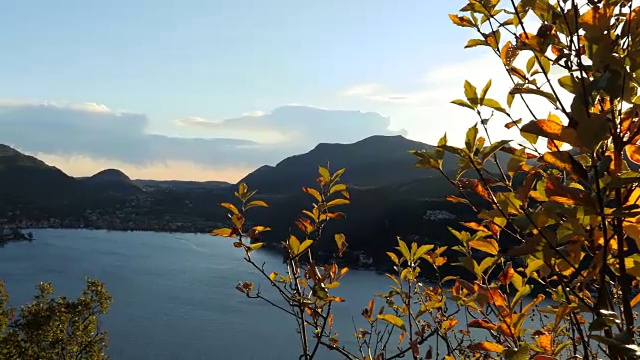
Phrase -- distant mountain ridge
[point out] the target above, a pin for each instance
(372, 162)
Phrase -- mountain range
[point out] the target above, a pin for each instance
(389, 196)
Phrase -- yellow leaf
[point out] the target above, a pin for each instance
(393, 257)
(487, 245)
(294, 245)
(462, 21)
(635, 301)
(393, 320)
(448, 325)
(256, 246)
(312, 192)
(304, 246)
(337, 202)
(256, 203)
(487, 346)
(230, 206)
(337, 187)
(341, 242)
(273, 275)
(324, 173)
(226, 232)
(422, 250)
(404, 250)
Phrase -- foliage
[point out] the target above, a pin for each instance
(55, 328)
(570, 208)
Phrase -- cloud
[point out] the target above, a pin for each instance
(298, 125)
(91, 135)
(423, 105)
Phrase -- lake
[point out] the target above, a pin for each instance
(174, 294)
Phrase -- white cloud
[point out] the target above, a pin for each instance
(255, 113)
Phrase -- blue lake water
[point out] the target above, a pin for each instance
(174, 294)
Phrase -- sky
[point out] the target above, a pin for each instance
(210, 90)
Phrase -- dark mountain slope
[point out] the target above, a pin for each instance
(372, 162)
(112, 181)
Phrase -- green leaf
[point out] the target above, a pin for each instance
(471, 93)
(569, 83)
(522, 353)
(337, 187)
(393, 320)
(524, 291)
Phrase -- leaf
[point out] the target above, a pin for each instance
(470, 139)
(337, 202)
(337, 187)
(313, 192)
(493, 148)
(256, 203)
(482, 324)
(485, 90)
(487, 346)
(487, 245)
(524, 90)
(256, 246)
(462, 21)
(551, 130)
(635, 301)
(231, 207)
(324, 173)
(508, 53)
(569, 83)
(507, 274)
(341, 242)
(521, 353)
(404, 250)
(304, 246)
(476, 42)
(393, 320)
(565, 161)
(294, 245)
(471, 93)
(226, 232)
(463, 103)
(495, 105)
(393, 257)
(633, 152)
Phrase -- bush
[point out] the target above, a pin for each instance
(558, 222)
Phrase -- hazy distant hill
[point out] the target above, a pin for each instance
(181, 184)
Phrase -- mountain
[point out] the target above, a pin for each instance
(113, 181)
(372, 162)
(27, 179)
(181, 184)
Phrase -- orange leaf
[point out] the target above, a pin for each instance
(481, 324)
(487, 346)
(552, 130)
(633, 152)
(546, 342)
(507, 275)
